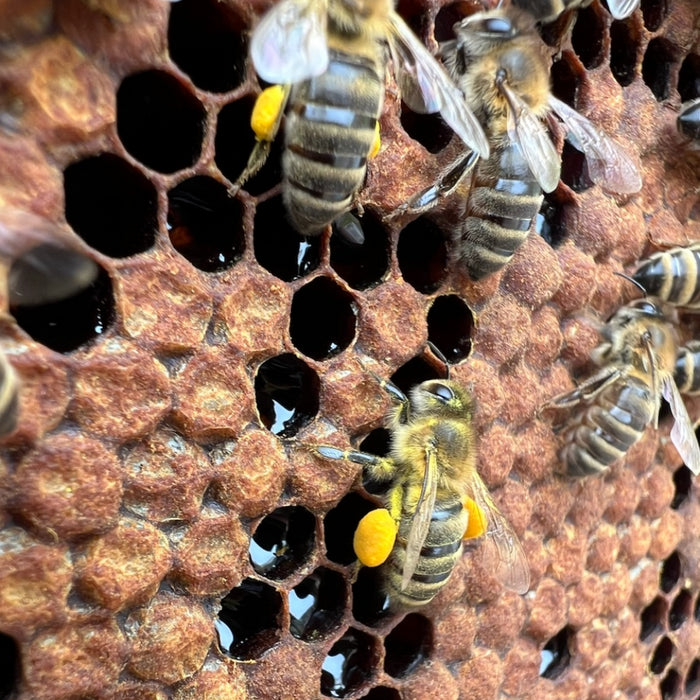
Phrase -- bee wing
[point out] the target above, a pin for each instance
(289, 44)
(620, 9)
(426, 87)
(421, 520)
(586, 391)
(609, 164)
(502, 550)
(682, 433)
(533, 138)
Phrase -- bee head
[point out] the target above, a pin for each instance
(440, 397)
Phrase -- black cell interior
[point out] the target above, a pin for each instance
(565, 79)
(450, 325)
(248, 622)
(408, 645)
(574, 171)
(370, 604)
(550, 221)
(689, 77)
(205, 224)
(206, 40)
(624, 41)
(556, 654)
(654, 13)
(317, 604)
(111, 205)
(656, 67)
(286, 394)
(652, 618)
(422, 255)
(662, 656)
(430, 130)
(362, 266)
(9, 667)
(322, 320)
(683, 483)
(159, 121)
(692, 678)
(381, 692)
(282, 542)
(670, 685)
(681, 609)
(378, 442)
(671, 572)
(349, 664)
(340, 524)
(448, 16)
(415, 371)
(587, 36)
(278, 247)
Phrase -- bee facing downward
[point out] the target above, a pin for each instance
(330, 57)
(435, 500)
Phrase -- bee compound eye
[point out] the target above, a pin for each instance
(497, 25)
(443, 392)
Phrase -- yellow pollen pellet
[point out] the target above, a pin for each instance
(266, 111)
(374, 537)
(376, 143)
(477, 520)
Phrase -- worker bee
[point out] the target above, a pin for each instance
(688, 120)
(549, 10)
(436, 498)
(637, 364)
(687, 372)
(327, 59)
(9, 397)
(672, 276)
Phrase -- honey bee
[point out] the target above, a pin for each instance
(687, 372)
(327, 59)
(672, 276)
(637, 364)
(688, 120)
(9, 397)
(436, 498)
(549, 10)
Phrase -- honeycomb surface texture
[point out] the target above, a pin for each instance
(165, 533)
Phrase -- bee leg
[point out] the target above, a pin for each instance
(377, 468)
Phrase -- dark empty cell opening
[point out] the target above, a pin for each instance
(278, 247)
(450, 324)
(370, 602)
(111, 205)
(407, 645)
(565, 79)
(206, 41)
(692, 679)
(381, 692)
(9, 666)
(662, 656)
(556, 654)
(670, 685)
(553, 33)
(159, 121)
(362, 266)
(71, 322)
(683, 482)
(656, 67)
(340, 524)
(574, 171)
(587, 36)
(413, 372)
(624, 41)
(349, 664)
(378, 442)
(247, 624)
(652, 618)
(322, 320)
(654, 13)
(429, 130)
(550, 222)
(205, 224)
(317, 604)
(282, 542)
(671, 571)
(448, 16)
(422, 255)
(689, 78)
(681, 610)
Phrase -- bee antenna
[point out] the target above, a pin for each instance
(633, 281)
(440, 356)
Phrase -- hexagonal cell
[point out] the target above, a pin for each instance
(349, 665)
(408, 645)
(656, 67)
(574, 171)
(282, 542)
(450, 325)
(681, 610)
(654, 13)
(362, 266)
(159, 121)
(416, 370)
(624, 43)
(323, 320)
(286, 394)
(692, 678)
(689, 77)
(381, 692)
(662, 656)
(550, 221)
(448, 16)
(556, 654)
(429, 130)
(317, 604)
(9, 666)
(565, 78)
(370, 603)
(248, 623)
(588, 36)
(111, 205)
(671, 572)
(206, 40)
(340, 524)
(683, 483)
(422, 255)
(652, 618)
(670, 685)
(696, 614)
(205, 224)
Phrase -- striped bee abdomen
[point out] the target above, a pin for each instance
(673, 276)
(687, 370)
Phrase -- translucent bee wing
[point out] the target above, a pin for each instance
(608, 163)
(289, 45)
(620, 9)
(587, 390)
(426, 87)
(682, 433)
(421, 520)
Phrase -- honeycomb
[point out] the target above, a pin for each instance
(164, 531)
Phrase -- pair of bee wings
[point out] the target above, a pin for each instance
(289, 45)
(502, 551)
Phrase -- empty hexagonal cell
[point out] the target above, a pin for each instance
(450, 325)
(206, 40)
(652, 618)
(574, 171)
(422, 255)
(565, 77)
(408, 645)
(9, 666)
(362, 266)
(550, 221)
(340, 524)
(662, 656)
(111, 205)
(286, 394)
(282, 542)
(681, 610)
(670, 685)
(692, 678)
(671, 572)
(448, 16)
(317, 604)
(556, 654)
(429, 130)
(248, 622)
(205, 224)
(683, 483)
(381, 692)
(416, 370)
(349, 665)
(689, 77)
(656, 67)
(159, 121)
(588, 36)
(323, 319)
(696, 614)
(370, 603)
(654, 13)
(624, 44)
